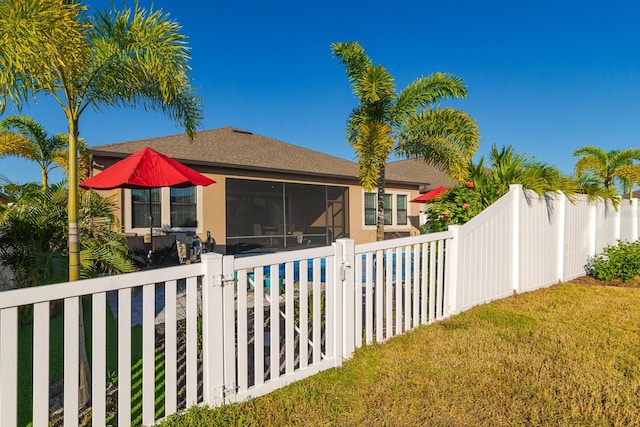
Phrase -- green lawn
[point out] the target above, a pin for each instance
(566, 355)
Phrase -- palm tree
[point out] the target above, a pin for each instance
(131, 57)
(602, 169)
(508, 167)
(386, 120)
(488, 182)
(630, 174)
(22, 136)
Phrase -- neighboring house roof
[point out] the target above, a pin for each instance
(230, 147)
(420, 171)
(4, 199)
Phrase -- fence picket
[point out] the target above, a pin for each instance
(369, 307)
(124, 356)
(41, 363)
(243, 344)
(289, 335)
(358, 302)
(317, 311)
(416, 285)
(9, 366)
(71, 360)
(380, 295)
(148, 353)
(258, 330)
(274, 323)
(170, 347)
(304, 314)
(192, 341)
(98, 359)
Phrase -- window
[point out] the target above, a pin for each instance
(183, 207)
(178, 208)
(397, 210)
(370, 208)
(140, 207)
(388, 209)
(401, 209)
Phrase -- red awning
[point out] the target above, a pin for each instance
(430, 195)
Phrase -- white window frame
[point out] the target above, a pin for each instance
(394, 226)
(165, 213)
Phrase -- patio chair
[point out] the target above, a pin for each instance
(139, 252)
(164, 251)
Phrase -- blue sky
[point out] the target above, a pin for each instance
(546, 77)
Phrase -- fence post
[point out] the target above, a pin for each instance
(592, 228)
(617, 223)
(212, 330)
(9, 366)
(228, 284)
(516, 194)
(634, 220)
(347, 265)
(452, 264)
(561, 210)
(337, 291)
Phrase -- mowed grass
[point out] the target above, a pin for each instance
(566, 355)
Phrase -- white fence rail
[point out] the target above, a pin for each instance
(231, 328)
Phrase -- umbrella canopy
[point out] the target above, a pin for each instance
(146, 168)
(430, 195)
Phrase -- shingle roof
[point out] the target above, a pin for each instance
(230, 147)
(418, 171)
(4, 198)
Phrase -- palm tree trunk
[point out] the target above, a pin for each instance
(380, 216)
(84, 392)
(45, 178)
(74, 244)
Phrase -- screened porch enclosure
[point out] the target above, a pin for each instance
(269, 216)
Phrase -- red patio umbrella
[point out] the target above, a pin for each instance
(430, 195)
(149, 169)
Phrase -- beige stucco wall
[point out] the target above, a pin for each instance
(363, 234)
(213, 207)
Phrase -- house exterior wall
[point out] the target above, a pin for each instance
(212, 212)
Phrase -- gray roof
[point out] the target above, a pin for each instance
(419, 171)
(229, 147)
(4, 198)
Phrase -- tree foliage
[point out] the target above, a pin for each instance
(119, 58)
(21, 136)
(488, 183)
(407, 122)
(599, 169)
(33, 236)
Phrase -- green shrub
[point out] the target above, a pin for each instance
(616, 262)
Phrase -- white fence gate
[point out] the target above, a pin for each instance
(231, 328)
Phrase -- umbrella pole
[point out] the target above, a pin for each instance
(150, 226)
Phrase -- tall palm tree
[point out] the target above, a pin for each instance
(508, 167)
(22, 136)
(386, 120)
(630, 174)
(601, 168)
(130, 57)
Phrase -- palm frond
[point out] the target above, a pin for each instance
(443, 137)
(428, 90)
(37, 37)
(141, 60)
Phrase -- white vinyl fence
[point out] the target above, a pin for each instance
(231, 328)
